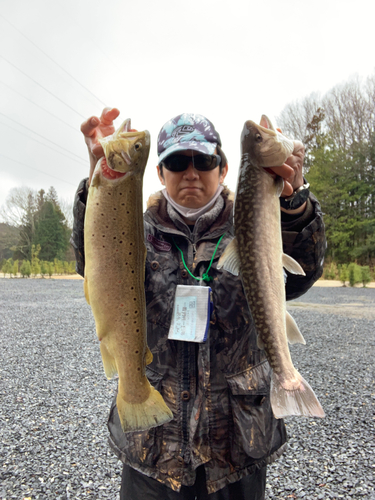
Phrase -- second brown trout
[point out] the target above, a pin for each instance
(257, 253)
(114, 275)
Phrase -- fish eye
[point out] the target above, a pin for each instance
(137, 146)
(258, 138)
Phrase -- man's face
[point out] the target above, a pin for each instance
(192, 188)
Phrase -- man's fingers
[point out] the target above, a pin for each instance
(288, 189)
(285, 171)
(97, 150)
(108, 115)
(88, 127)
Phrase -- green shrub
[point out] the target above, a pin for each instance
(343, 274)
(365, 275)
(25, 269)
(354, 274)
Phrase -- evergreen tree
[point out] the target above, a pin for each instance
(51, 232)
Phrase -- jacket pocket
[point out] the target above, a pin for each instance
(140, 446)
(253, 420)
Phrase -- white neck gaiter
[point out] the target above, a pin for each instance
(193, 214)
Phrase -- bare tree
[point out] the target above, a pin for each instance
(19, 203)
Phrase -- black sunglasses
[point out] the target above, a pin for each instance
(201, 162)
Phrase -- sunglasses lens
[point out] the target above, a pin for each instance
(179, 163)
(204, 162)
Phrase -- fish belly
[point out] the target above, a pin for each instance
(114, 281)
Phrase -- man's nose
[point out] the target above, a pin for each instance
(191, 172)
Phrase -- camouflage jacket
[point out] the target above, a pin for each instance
(218, 390)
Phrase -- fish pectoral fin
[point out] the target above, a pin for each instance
(302, 401)
(86, 290)
(230, 259)
(292, 331)
(292, 265)
(109, 362)
(149, 356)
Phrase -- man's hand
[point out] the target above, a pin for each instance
(292, 174)
(94, 129)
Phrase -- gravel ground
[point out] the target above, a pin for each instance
(55, 397)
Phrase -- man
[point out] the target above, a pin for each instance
(223, 433)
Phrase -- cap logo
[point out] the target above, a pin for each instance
(182, 130)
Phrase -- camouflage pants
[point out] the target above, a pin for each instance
(137, 486)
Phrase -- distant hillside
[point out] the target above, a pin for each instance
(8, 238)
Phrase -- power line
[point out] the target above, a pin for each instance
(38, 105)
(51, 59)
(37, 83)
(39, 142)
(37, 170)
(42, 136)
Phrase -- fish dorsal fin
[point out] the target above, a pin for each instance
(266, 122)
(292, 265)
(292, 331)
(230, 259)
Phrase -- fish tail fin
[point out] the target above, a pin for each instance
(142, 416)
(109, 363)
(301, 401)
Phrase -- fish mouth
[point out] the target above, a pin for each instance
(109, 173)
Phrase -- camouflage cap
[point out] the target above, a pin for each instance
(187, 131)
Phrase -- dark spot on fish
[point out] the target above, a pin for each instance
(127, 314)
(114, 237)
(120, 194)
(102, 215)
(135, 312)
(103, 235)
(120, 241)
(114, 208)
(135, 322)
(137, 352)
(135, 298)
(137, 330)
(128, 212)
(123, 234)
(131, 244)
(138, 369)
(132, 272)
(114, 218)
(103, 246)
(130, 253)
(93, 235)
(132, 288)
(97, 203)
(109, 194)
(122, 204)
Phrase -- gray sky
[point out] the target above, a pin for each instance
(228, 60)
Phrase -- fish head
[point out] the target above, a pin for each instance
(265, 146)
(126, 150)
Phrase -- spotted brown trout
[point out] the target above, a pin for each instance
(114, 275)
(257, 253)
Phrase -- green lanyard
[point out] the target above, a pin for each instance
(205, 276)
